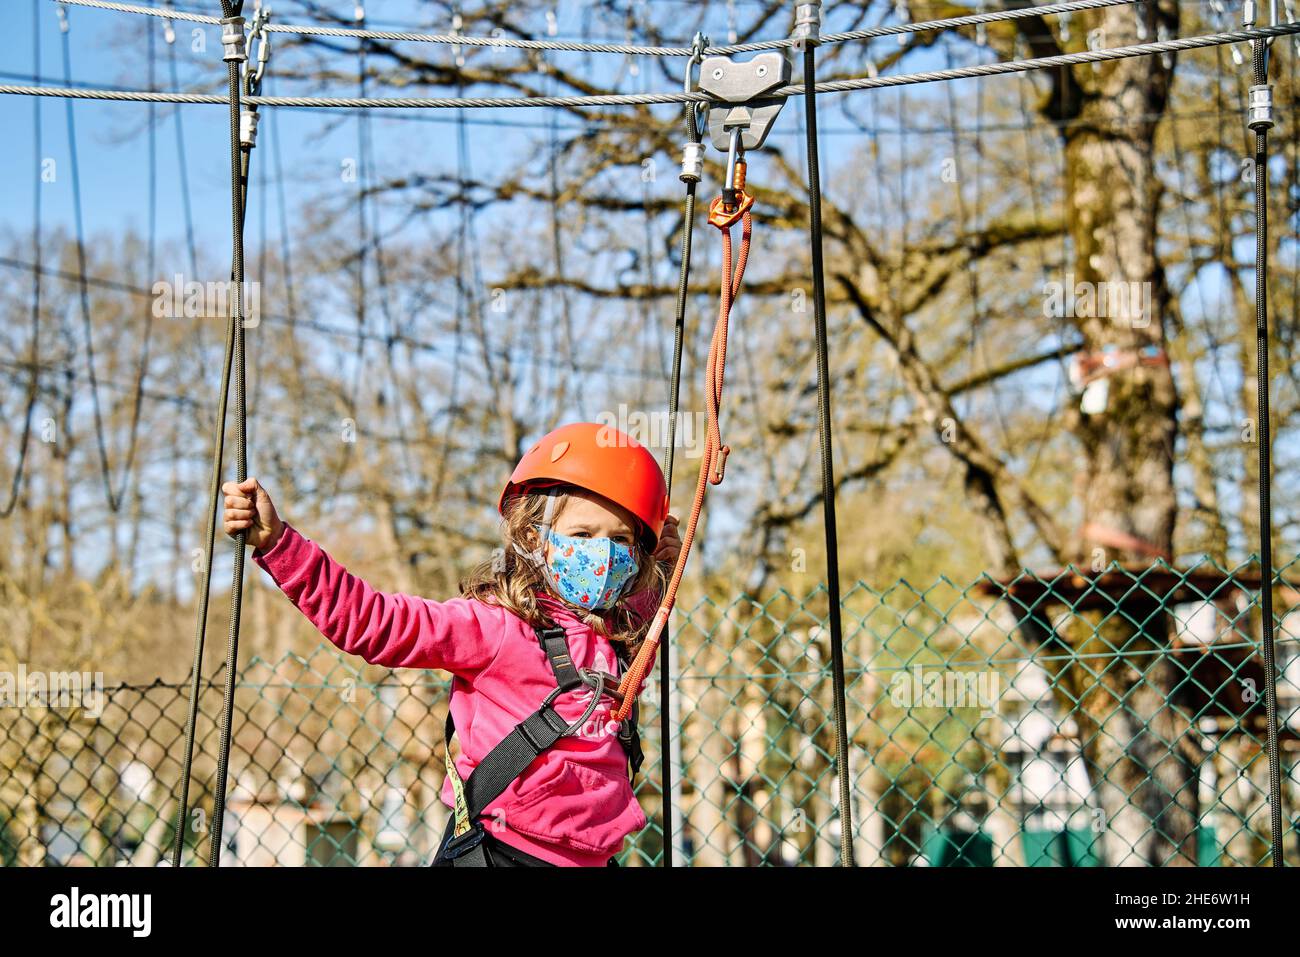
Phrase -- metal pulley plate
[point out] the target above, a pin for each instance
(740, 86)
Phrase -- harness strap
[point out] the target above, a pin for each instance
(511, 757)
(505, 762)
(629, 736)
(556, 647)
(514, 753)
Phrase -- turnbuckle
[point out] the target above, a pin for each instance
(807, 23)
(1248, 18)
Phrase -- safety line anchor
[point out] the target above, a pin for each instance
(1259, 102)
(693, 149)
(740, 117)
(737, 89)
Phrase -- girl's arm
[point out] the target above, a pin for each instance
(394, 630)
(645, 603)
(398, 631)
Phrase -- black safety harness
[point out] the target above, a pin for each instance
(463, 845)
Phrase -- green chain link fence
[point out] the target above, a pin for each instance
(1096, 718)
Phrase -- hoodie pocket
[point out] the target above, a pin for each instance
(577, 806)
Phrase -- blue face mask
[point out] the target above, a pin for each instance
(590, 572)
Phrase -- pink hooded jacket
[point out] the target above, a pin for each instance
(574, 805)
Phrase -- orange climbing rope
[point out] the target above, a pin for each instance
(724, 212)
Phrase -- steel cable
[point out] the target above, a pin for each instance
(627, 49)
(652, 99)
(33, 381)
(238, 199)
(1267, 623)
(827, 460)
(674, 404)
(232, 367)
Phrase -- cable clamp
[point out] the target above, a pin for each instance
(169, 29)
(699, 43)
(248, 127)
(692, 162)
(232, 40)
(1260, 108)
(807, 24)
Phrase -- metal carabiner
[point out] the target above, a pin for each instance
(735, 155)
(698, 45)
(735, 201)
(257, 33)
(1248, 21)
(592, 679)
(608, 684)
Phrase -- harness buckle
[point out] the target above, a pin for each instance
(464, 843)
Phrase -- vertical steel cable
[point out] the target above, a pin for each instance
(182, 163)
(33, 379)
(83, 288)
(1267, 623)
(463, 214)
(238, 179)
(828, 468)
(679, 326)
(115, 499)
(201, 625)
(233, 361)
(674, 403)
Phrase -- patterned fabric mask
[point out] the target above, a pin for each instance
(590, 572)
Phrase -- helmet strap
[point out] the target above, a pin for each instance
(538, 555)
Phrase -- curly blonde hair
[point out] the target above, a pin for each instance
(511, 581)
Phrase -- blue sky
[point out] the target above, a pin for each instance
(108, 49)
(112, 50)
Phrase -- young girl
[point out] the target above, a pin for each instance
(533, 644)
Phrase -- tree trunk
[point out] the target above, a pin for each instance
(1132, 739)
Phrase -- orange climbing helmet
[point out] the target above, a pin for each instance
(600, 459)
